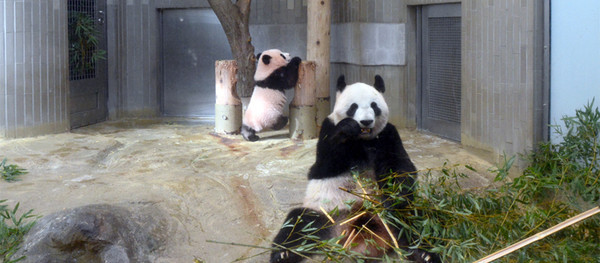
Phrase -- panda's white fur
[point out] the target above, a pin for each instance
(326, 193)
(266, 105)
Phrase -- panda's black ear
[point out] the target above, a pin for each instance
(341, 83)
(379, 86)
(266, 59)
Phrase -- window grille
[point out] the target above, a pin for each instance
(81, 64)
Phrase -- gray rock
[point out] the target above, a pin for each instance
(98, 233)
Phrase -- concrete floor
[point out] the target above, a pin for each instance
(214, 187)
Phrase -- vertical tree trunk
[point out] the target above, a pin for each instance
(318, 49)
(235, 21)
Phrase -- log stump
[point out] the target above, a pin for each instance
(228, 106)
(302, 108)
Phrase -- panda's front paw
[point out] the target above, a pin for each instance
(346, 129)
(295, 62)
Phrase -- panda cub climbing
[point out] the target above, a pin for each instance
(275, 73)
(356, 136)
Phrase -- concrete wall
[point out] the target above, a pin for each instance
(502, 104)
(502, 59)
(279, 24)
(133, 34)
(34, 82)
(369, 38)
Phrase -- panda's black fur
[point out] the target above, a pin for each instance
(365, 142)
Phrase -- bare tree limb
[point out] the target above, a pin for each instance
(235, 21)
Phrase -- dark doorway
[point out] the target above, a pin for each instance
(192, 40)
(88, 73)
(440, 78)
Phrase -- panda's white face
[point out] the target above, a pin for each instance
(286, 56)
(365, 105)
(269, 61)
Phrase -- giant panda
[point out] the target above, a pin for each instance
(275, 72)
(356, 136)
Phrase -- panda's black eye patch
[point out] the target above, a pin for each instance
(352, 110)
(376, 108)
(282, 56)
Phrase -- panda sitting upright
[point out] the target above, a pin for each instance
(275, 73)
(356, 136)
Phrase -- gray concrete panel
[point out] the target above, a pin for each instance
(33, 57)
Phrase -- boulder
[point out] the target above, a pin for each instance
(98, 233)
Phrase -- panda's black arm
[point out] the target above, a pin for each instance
(337, 149)
(392, 159)
(292, 72)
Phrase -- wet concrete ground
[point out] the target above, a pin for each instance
(213, 187)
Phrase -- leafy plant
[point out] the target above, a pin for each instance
(83, 43)
(10, 172)
(12, 230)
(463, 225)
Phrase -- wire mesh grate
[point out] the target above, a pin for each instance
(445, 68)
(81, 15)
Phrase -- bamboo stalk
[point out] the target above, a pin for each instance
(503, 252)
(350, 238)
(376, 235)
(387, 228)
(327, 215)
(354, 217)
(343, 233)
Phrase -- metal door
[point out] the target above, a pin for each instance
(192, 40)
(440, 78)
(88, 73)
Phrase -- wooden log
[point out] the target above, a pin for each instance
(302, 108)
(228, 106)
(317, 49)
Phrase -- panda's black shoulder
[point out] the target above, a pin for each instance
(275, 80)
(282, 78)
(326, 127)
(389, 133)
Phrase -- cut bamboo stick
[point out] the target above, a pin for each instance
(503, 252)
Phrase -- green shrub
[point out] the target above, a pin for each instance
(562, 180)
(10, 172)
(12, 230)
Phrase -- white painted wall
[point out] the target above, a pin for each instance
(575, 57)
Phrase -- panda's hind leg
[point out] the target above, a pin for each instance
(249, 134)
(299, 224)
(280, 123)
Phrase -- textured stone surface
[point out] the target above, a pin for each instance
(99, 233)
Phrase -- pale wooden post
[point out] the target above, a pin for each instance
(302, 108)
(317, 49)
(228, 106)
